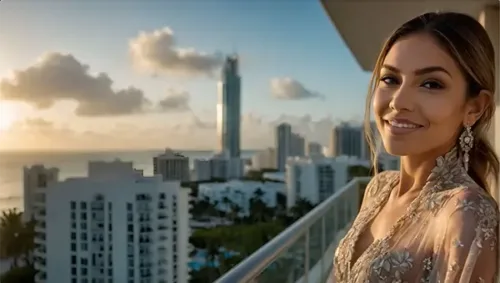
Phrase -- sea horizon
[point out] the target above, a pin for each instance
(112, 150)
(74, 164)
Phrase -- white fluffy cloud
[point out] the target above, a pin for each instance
(156, 52)
(56, 77)
(290, 89)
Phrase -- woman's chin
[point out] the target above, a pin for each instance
(397, 148)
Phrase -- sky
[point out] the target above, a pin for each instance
(143, 74)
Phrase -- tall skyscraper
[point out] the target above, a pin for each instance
(346, 140)
(297, 145)
(283, 141)
(229, 108)
(287, 144)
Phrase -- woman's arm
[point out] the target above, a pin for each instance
(468, 251)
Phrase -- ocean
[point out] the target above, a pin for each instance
(71, 164)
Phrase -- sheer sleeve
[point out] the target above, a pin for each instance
(468, 248)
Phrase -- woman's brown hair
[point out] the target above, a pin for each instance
(468, 43)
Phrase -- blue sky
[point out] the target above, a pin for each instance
(274, 39)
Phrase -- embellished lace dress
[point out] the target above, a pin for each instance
(447, 234)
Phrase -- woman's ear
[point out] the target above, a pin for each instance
(476, 106)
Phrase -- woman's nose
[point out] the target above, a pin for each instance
(403, 99)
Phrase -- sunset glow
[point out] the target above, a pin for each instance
(7, 115)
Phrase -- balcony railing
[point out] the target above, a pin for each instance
(304, 251)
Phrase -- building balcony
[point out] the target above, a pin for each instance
(304, 251)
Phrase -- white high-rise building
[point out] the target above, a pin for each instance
(264, 159)
(35, 177)
(220, 166)
(172, 166)
(315, 179)
(113, 226)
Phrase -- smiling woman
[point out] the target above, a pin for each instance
(8, 115)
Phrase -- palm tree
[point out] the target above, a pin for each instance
(227, 203)
(235, 211)
(301, 208)
(212, 250)
(12, 236)
(258, 194)
(357, 171)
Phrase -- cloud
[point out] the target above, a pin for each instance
(290, 89)
(156, 52)
(58, 77)
(175, 101)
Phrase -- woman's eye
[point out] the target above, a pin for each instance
(389, 80)
(432, 85)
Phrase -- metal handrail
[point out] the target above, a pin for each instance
(253, 265)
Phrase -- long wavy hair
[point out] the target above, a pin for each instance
(468, 43)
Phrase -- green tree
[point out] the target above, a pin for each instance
(17, 244)
(203, 275)
(234, 212)
(21, 274)
(357, 171)
(259, 211)
(11, 236)
(258, 175)
(301, 208)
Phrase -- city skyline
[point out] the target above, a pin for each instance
(158, 86)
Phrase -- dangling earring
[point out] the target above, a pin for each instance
(466, 144)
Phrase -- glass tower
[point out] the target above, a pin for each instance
(229, 108)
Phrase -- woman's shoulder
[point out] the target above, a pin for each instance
(471, 202)
(386, 175)
(380, 180)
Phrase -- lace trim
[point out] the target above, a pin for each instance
(448, 173)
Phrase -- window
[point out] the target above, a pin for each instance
(42, 181)
(73, 205)
(83, 205)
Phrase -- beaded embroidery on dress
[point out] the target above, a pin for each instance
(447, 234)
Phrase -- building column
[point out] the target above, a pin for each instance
(489, 18)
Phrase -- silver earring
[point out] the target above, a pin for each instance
(466, 144)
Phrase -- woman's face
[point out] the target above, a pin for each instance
(420, 97)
